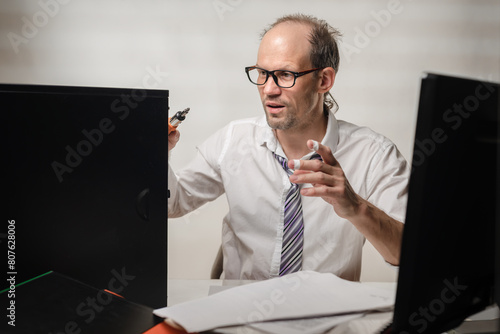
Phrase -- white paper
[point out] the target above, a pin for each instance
(304, 294)
(304, 326)
(295, 326)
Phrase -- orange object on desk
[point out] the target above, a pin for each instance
(164, 328)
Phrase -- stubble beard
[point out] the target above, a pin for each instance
(288, 121)
(278, 123)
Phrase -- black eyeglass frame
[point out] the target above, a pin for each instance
(275, 78)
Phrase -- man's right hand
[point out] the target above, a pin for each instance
(173, 138)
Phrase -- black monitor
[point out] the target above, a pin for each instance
(85, 184)
(447, 267)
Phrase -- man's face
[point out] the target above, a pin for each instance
(286, 47)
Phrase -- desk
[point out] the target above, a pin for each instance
(182, 290)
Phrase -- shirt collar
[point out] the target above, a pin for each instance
(266, 136)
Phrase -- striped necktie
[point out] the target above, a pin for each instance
(293, 225)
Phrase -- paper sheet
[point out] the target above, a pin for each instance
(295, 326)
(304, 326)
(304, 294)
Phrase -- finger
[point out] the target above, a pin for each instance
(324, 151)
(316, 179)
(300, 172)
(315, 191)
(307, 165)
(173, 138)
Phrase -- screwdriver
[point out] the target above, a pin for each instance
(174, 121)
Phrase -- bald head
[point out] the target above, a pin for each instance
(286, 46)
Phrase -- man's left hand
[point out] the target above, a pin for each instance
(328, 180)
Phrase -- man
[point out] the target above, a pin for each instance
(355, 189)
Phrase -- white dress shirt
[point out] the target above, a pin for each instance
(238, 161)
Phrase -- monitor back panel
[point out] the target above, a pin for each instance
(86, 182)
(447, 260)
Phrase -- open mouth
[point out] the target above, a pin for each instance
(274, 107)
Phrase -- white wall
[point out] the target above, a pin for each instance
(198, 50)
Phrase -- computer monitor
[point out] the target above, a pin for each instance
(497, 260)
(85, 185)
(447, 266)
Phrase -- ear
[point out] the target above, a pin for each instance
(327, 78)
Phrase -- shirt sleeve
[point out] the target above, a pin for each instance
(388, 184)
(200, 182)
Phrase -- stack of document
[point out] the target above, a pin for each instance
(302, 302)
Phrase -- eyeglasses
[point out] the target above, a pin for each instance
(284, 79)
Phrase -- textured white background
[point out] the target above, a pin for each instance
(201, 47)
